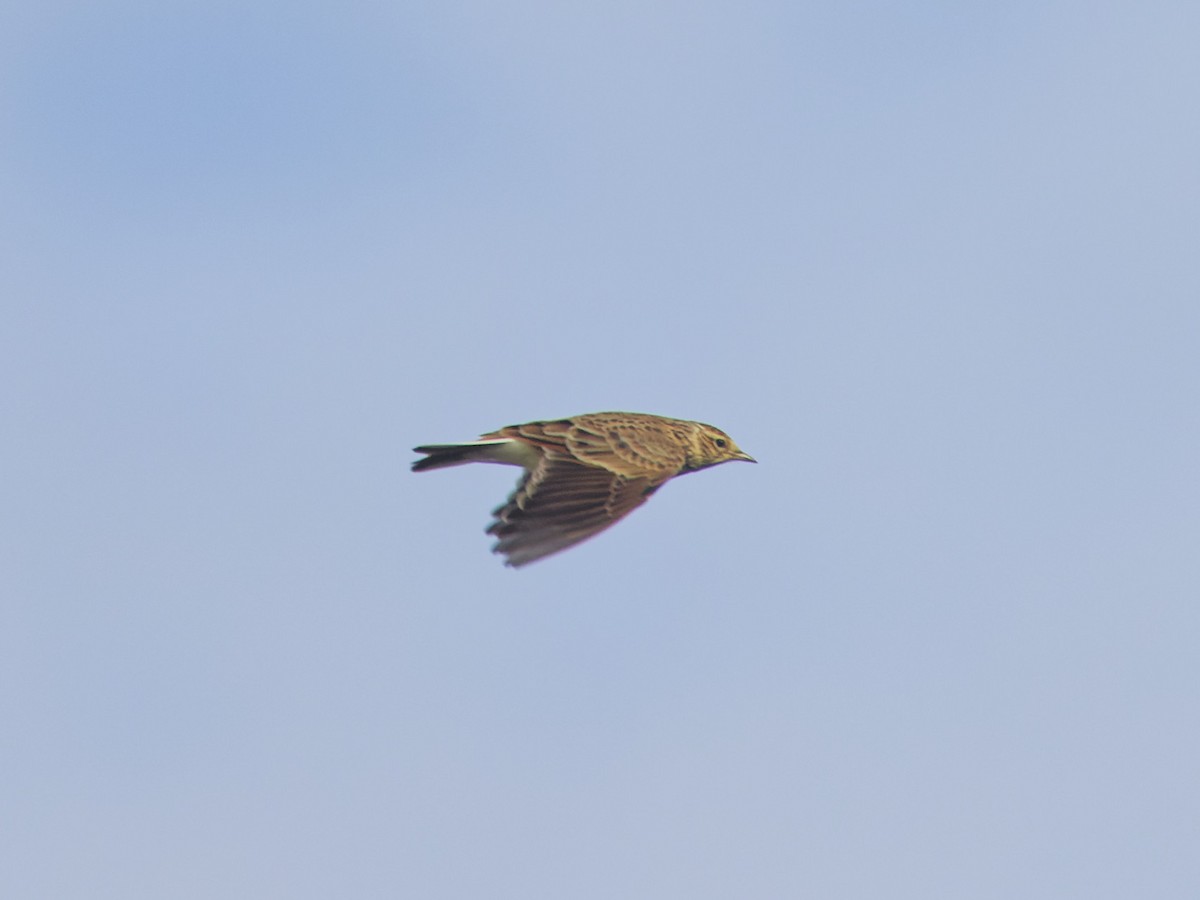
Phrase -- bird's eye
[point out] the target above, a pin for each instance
(721, 443)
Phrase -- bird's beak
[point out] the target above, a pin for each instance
(742, 454)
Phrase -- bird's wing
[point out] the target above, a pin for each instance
(560, 503)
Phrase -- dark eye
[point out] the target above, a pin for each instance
(721, 443)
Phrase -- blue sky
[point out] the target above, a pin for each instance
(934, 265)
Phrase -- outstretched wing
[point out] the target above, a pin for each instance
(561, 502)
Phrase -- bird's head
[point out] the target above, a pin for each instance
(711, 446)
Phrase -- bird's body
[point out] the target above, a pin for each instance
(582, 474)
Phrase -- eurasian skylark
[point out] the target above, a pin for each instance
(582, 474)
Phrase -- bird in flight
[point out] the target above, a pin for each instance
(582, 474)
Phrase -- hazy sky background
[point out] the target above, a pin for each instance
(936, 265)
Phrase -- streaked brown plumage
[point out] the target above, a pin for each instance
(582, 474)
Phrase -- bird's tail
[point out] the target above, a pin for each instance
(439, 456)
